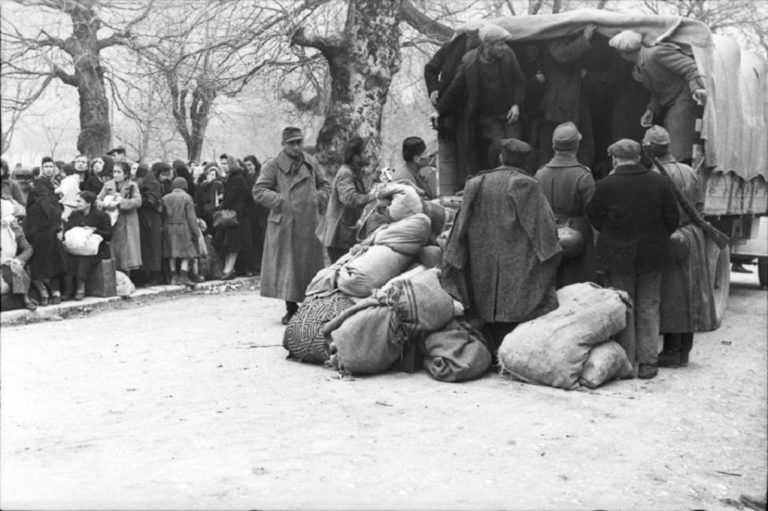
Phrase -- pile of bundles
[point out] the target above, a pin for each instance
(570, 346)
(384, 299)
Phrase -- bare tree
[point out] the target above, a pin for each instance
(45, 54)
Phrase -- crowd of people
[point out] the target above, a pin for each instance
(535, 216)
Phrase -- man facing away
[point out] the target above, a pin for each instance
(635, 211)
(294, 188)
(568, 186)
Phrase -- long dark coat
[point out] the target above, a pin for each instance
(296, 192)
(41, 226)
(239, 237)
(568, 187)
(348, 197)
(463, 95)
(150, 222)
(502, 250)
(82, 266)
(180, 230)
(635, 211)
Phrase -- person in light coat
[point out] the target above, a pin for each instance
(294, 188)
(122, 195)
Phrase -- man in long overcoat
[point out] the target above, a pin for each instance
(502, 253)
(675, 84)
(635, 211)
(687, 304)
(489, 87)
(439, 72)
(568, 186)
(294, 188)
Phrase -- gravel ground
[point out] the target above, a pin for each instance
(191, 404)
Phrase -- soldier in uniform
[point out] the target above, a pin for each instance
(569, 186)
(687, 304)
(675, 85)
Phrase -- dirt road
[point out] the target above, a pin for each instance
(191, 403)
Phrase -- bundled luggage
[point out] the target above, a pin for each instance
(304, 338)
(552, 349)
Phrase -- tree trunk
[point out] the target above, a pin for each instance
(95, 130)
(362, 63)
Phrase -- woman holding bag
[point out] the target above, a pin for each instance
(87, 216)
(231, 223)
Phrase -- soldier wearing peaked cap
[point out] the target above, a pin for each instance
(568, 186)
(635, 211)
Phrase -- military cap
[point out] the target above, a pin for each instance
(491, 33)
(656, 135)
(291, 134)
(514, 146)
(566, 137)
(627, 40)
(626, 149)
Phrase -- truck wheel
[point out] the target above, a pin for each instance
(722, 280)
(762, 271)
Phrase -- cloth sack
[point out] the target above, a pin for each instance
(406, 236)
(456, 353)
(606, 361)
(304, 337)
(367, 342)
(224, 218)
(420, 303)
(430, 256)
(112, 207)
(123, 284)
(82, 242)
(552, 349)
(370, 270)
(402, 201)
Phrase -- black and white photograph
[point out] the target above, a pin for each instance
(384, 255)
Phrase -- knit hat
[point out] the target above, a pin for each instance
(627, 40)
(492, 33)
(179, 182)
(656, 135)
(566, 137)
(626, 149)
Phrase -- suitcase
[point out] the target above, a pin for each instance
(102, 281)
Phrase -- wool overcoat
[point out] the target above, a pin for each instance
(568, 187)
(180, 229)
(126, 235)
(150, 222)
(236, 197)
(41, 225)
(296, 194)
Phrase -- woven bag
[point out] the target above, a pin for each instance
(303, 337)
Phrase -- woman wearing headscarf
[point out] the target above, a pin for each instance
(101, 172)
(42, 227)
(180, 232)
(258, 217)
(150, 224)
(234, 239)
(208, 195)
(15, 252)
(122, 195)
(86, 215)
(164, 174)
(181, 169)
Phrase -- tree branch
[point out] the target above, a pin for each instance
(423, 23)
(510, 7)
(69, 79)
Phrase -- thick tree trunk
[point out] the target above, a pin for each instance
(95, 130)
(362, 63)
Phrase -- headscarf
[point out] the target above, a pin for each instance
(109, 167)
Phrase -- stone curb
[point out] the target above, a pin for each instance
(141, 296)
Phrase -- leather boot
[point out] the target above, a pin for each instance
(686, 344)
(670, 355)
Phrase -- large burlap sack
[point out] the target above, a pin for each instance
(606, 362)
(404, 201)
(370, 270)
(303, 336)
(420, 302)
(367, 342)
(406, 236)
(552, 349)
(430, 256)
(456, 353)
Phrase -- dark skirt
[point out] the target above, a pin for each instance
(82, 266)
(235, 239)
(151, 231)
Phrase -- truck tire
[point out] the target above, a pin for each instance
(721, 271)
(762, 271)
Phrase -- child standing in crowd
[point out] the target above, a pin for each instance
(180, 232)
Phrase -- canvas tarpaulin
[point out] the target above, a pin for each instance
(735, 123)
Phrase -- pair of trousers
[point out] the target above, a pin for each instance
(492, 128)
(640, 339)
